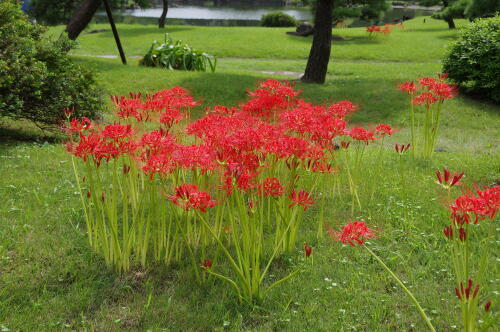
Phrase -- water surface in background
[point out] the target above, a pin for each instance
(234, 16)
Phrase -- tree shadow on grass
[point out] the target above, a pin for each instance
(337, 39)
(12, 132)
(137, 32)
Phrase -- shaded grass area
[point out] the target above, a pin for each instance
(51, 280)
(418, 42)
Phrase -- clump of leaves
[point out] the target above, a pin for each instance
(176, 55)
(278, 19)
(38, 80)
(473, 61)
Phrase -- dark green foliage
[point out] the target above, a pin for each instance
(473, 61)
(363, 9)
(37, 78)
(53, 12)
(482, 8)
(176, 55)
(278, 19)
(456, 9)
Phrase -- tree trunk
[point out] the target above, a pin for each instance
(449, 19)
(317, 64)
(163, 17)
(81, 17)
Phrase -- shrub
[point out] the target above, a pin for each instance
(175, 55)
(473, 61)
(278, 19)
(37, 78)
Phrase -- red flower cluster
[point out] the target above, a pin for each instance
(237, 144)
(386, 29)
(272, 187)
(384, 129)
(189, 197)
(431, 90)
(352, 232)
(470, 209)
(302, 198)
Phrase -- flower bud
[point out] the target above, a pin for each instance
(487, 306)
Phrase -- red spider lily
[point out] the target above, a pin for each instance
(68, 112)
(307, 250)
(170, 116)
(427, 82)
(470, 209)
(320, 166)
(384, 129)
(462, 234)
(354, 231)
(465, 206)
(78, 126)
(272, 187)
(487, 306)
(408, 87)
(126, 169)
(345, 144)
(361, 134)
(490, 201)
(342, 109)
(443, 76)
(187, 196)
(448, 232)
(466, 293)
(426, 98)
(447, 179)
(401, 148)
(207, 264)
(194, 156)
(302, 198)
(117, 132)
(444, 91)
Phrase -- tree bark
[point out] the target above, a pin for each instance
(449, 19)
(317, 63)
(163, 17)
(81, 17)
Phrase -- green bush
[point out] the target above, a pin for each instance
(175, 55)
(473, 61)
(278, 19)
(37, 78)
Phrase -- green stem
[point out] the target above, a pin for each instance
(421, 311)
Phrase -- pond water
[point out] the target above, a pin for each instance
(234, 16)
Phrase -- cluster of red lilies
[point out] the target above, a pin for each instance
(383, 29)
(236, 144)
(158, 186)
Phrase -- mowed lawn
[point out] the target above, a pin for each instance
(50, 280)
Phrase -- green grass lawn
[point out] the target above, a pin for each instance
(417, 42)
(50, 279)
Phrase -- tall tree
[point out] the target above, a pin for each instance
(326, 12)
(83, 13)
(317, 63)
(450, 9)
(81, 17)
(448, 17)
(163, 17)
(482, 8)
